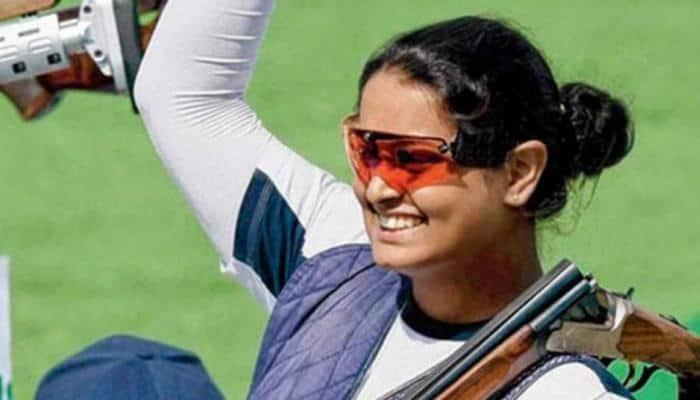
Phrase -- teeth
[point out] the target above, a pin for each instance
(398, 222)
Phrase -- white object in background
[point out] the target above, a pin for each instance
(5, 365)
(107, 30)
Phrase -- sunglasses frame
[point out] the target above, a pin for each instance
(466, 150)
(443, 146)
(385, 135)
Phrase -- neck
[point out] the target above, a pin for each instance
(479, 288)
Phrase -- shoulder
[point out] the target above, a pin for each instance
(347, 268)
(338, 264)
(572, 377)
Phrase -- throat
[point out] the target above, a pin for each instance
(472, 294)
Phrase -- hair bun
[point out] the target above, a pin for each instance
(600, 125)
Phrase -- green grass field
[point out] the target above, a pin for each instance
(102, 242)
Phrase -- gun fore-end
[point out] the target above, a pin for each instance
(501, 367)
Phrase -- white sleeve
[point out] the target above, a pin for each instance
(190, 92)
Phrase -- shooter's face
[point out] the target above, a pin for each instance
(439, 227)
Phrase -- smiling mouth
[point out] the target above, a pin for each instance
(399, 222)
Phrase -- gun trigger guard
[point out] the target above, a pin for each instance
(596, 339)
(630, 374)
(647, 372)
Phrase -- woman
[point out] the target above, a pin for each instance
(460, 144)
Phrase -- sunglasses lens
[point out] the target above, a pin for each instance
(363, 154)
(403, 163)
(416, 156)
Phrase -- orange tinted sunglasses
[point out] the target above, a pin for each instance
(404, 162)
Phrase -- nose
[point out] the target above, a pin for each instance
(379, 192)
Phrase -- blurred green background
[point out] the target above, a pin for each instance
(102, 242)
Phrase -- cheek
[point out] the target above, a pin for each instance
(462, 199)
(452, 210)
(359, 189)
(462, 218)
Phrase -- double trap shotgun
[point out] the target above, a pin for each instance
(563, 312)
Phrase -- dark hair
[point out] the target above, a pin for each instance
(501, 92)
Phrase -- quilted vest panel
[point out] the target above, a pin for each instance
(328, 320)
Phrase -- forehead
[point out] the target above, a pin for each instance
(391, 102)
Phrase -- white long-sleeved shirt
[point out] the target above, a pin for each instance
(190, 91)
(264, 207)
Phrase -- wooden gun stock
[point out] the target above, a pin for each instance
(650, 338)
(501, 367)
(15, 8)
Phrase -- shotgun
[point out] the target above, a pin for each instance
(565, 311)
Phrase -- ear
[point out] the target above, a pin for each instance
(524, 166)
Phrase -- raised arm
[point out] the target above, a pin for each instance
(264, 207)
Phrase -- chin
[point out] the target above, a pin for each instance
(399, 258)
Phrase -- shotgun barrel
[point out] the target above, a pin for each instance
(536, 301)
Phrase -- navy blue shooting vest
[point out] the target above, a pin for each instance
(328, 323)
